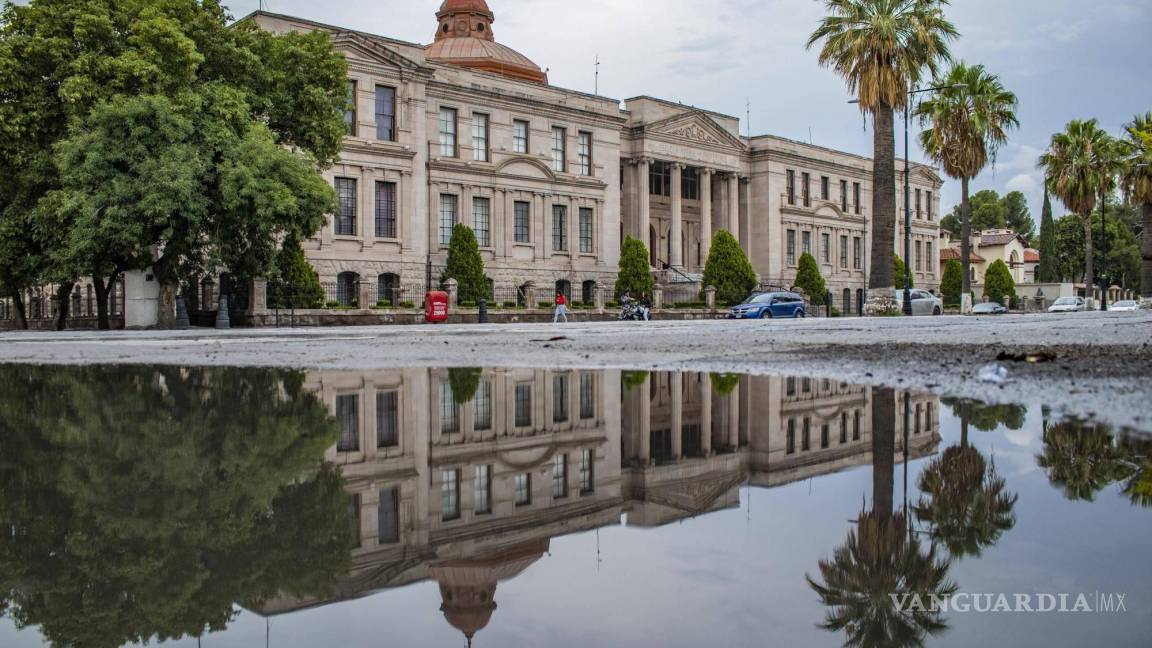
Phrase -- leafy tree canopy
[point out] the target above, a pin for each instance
(466, 266)
(952, 283)
(635, 272)
(809, 280)
(728, 270)
(899, 269)
(998, 284)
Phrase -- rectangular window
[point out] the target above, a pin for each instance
(450, 495)
(791, 448)
(482, 221)
(660, 179)
(559, 228)
(857, 253)
(448, 132)
(824, 189)
(919, 413)
(790, 386)
(482, 490)
(919, 257)
(559, 399)
(584, 153)
(346, 217)
(449, 422)
(806, 188)
(348, 414)
(844, 196)
(524, 405)
(447, 217)
(856, 197)
(560, 476)
(523, 484)
(479, 137)
(806, 242)
(386, 113)
(826, 248)
(388, 516)
(806, 437)
(350, 110)
(520, 130)
(385, 210)
(844, 252)
(856, 425)
(843, 427)
(354, 519)
(791, 187)
(825, 433)
(930, 260)
(587, 473)
(586, 226)
(559, 149)
(790, 253)
(690, 183)
(483, 403)
(587, 396)
(929, 210)
(522, 221)
(387, 419)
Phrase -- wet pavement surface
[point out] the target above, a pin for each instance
(519, 506)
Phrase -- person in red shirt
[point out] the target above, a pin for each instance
(561, 308)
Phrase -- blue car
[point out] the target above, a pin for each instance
(770, 305)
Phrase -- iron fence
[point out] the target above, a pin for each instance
(42, 303)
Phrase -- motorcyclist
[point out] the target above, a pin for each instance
(645, 307)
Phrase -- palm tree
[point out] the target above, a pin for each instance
(1081, 459)
(1079, 167)
(966, 506)
(969, 120)
(881, 48)
(880, 558)
(1137, 179)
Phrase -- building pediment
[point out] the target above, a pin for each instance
(695, 127)
(365, 48)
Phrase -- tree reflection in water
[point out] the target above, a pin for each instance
(143, 503)
(1082, 459)
(882, 559)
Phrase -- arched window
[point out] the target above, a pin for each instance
(346, 288)
(388, 287)
(588, 292)
(652, 241)
(564, 287)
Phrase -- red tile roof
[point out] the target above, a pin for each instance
(947, 254)
(998, 239)
(1031, 256)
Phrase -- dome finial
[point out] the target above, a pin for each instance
(465, 19)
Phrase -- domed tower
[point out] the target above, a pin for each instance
(464, 37)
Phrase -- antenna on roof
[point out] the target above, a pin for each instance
(597, 86)
(261, 5)
(748, 108)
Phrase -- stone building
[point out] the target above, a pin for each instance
(467, 130)
(468, 489)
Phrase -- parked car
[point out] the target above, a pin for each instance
(1124, 306)
(989, 308)
(923, 302)
(769, 305)
(1068, 305)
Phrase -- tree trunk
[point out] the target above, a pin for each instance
(963, 431)
(883, 203)
(166, 318)
(64, 299)
(1089, 252)
(965, 238)
(103, 291)
(883, 450)
(1146, 267)
(18, 305)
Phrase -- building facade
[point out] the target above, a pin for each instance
(467, 130)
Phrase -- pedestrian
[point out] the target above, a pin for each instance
(561, 308)
(645, 307)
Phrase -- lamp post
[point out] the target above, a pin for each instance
(1103, 248)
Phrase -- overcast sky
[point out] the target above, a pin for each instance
(1065, 59)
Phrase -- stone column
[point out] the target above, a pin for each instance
(645, 423)
(657, 297)
(452, 287)
(677, 380)
(734, 419)
(364, 294)
(676, 258)
(743, 218)
(644, 217)
(710, 297)
(530, 295)
(257, 297)
(705, 215)
(706, 418)
(734, 205)
(601, 297)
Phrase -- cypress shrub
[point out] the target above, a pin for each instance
(998, 282)
(295, 284)
(728, 270)
(635, 275)
(466, 266)
(810, 281)
(952, 282)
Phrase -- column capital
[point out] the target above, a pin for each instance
(745, 179)
(705, 171)
(678, 166)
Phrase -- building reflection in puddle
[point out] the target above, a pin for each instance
(463, 476)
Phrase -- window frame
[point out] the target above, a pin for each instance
(587, 230)
(482, 220)
(521, 144)
(843, 251)
(446, 199)
(450, 495)
(522, 221)
(387, 428)
(806, 188)
(790, 247)
(351, 109)
(584, 152)
(825, 188)
(559, 228)
(450, 138)
(560, 155)
(481, 137)
(386, 223)
(791, 186)
(344, 221)
(390, 116)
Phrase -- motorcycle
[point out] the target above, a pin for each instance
(633, 311)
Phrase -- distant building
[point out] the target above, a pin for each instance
(988, 246)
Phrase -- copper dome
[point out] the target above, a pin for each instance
(464, 37)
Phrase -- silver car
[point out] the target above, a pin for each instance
(1068, 305)
(923, 302)
(1125, 306)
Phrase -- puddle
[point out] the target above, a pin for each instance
(514, 507)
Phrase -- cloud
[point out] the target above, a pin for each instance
(1024, 182)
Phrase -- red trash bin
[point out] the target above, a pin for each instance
(436, 307)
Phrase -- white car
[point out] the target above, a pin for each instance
(1068, 305)
(923, 302)
(1124, 307)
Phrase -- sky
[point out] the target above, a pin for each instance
(1065, 59)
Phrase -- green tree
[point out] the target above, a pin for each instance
(725, 383)
(1137, 180)
(998, 284)
(150, 502)
(1017, 216)
(728, 270)
(952, 283)
(969, 120)
(466, 266)
(1079, 167)
(810, 281)
(1049, 270)
(635, 273)
(964, 502)
(1121, 263)
(294, 284)
(882, 48)
(464, 382)
(899, 270)
(231, 144)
